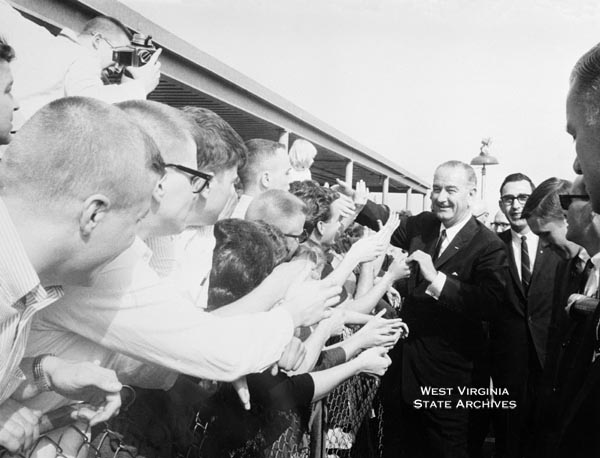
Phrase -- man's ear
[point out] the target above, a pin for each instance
(319, 227)
(158, 193)
(265, 180)
(94, 210)
(96, 41)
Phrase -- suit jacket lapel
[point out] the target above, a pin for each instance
(426, 243)
(463, 237)
(539, 260)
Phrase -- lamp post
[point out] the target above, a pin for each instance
(484, 158)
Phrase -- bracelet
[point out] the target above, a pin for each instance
(41, 380)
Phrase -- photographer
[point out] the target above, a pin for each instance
(69, 64)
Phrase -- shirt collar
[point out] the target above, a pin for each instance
(596, 260)
(69, 34)
(453, 230)
(583, 255)
(531, 237)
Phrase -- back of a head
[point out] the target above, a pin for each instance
(275, 205)
(108, 27)
(243, 257)
(544, 202)
(259, 151)
(513, 178)
(302, 154)
(585, 79)
(168, 127)
(76, 147)
(218, 146)
(318, 200)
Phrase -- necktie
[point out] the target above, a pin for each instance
(585, 275)
(591, 286)
(438, 245)
(525, 264)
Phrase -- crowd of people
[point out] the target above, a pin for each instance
(150, 249)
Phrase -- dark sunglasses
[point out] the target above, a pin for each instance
(196, 174)
(567, 199)
(303, 237)
(509, 199)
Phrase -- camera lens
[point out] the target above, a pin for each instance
(144, 56)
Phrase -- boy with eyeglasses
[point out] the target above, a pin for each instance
(519, 331)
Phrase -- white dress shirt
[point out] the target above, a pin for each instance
(532, 248)
(21, 296)
(186, 260)
(437, 285)
(242, 207)
(131, 310)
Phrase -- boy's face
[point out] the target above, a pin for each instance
(8, 105)
(210, 204)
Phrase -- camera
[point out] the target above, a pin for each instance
(136, 54)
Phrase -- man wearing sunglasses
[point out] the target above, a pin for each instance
(519, 331)
(576, 394)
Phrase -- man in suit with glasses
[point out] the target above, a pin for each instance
(519, 330)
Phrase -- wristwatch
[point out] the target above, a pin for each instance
(41, 380)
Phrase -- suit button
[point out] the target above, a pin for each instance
(564, 344)
(530, 319)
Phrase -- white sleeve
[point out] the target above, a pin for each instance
(155, 324)
(83, 79)
(436, 286)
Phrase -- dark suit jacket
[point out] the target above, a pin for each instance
(519, 331)
(579, 417)
(446, 334)
(564, 343)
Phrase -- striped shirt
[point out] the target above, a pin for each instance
(21, 296)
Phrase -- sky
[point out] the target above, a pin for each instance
(418, 81)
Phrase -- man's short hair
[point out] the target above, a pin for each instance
(302, 154)
(259, 150)
(585, 83)
(318, 200)
(76, 147)
(275, 204)
(7, 53)
(514, 177)
(218, 146)
(544, 202)
(167, 126)
(467, 169)
(108, 27)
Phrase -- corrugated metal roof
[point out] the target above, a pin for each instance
(192, 77)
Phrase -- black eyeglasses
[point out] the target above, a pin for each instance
(303, 237)
(495, 224)
(509, 199)
(195, 174)
(567, 199)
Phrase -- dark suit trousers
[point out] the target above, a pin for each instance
(514, 428)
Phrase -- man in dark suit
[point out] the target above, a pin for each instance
(519, 331)
(458, 280)
(578, 398)
(546, 219)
